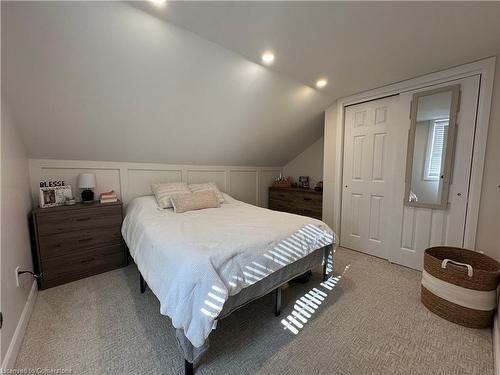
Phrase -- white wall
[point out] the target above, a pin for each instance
(15, 246)
(130, 180)
(330, 155)
(488, 232)
(308, 163)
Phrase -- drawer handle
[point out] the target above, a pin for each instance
(85, 239)
(83, 219)
(88, 260)
(308, 199)
(281, 195)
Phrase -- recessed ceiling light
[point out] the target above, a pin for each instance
(267, 58)
(158, 2)
(321, 83)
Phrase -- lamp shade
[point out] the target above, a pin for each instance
(86, 181)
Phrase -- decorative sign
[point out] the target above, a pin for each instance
(44, 184)
(54, 196)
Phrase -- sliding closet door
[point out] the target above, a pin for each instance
(415, 229)
(368, 178)
(374, 219)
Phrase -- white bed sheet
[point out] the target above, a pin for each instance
(195, 260)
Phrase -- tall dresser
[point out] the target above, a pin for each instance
(296, 201)
(73, 242)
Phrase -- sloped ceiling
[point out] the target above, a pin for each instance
(183, 83)
(107, 81)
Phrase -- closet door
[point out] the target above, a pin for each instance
(415, 229)
(368, 178)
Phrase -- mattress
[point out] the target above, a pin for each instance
(195, 261)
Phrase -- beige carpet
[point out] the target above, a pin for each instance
(370, 322)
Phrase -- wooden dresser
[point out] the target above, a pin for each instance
(73, 242)
(296, 201)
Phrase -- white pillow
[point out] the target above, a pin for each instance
(207, 186)
(194, 201)
(163, 192)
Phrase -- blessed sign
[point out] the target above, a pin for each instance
(44, 184)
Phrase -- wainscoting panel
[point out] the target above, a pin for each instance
(140, 180)
(198, 176)
(131, 180)
(243, 186)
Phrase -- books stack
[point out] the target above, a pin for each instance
(109, 197)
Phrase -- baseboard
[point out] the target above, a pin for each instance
(496, 344)
(17, 339)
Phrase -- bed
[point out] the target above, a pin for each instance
(202, 265)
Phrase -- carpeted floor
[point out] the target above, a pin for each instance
(370, 322)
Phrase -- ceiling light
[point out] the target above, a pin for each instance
(267, 58)
(158, 2)
(321, 83)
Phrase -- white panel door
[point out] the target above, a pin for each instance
(368, 177)
(415, 229)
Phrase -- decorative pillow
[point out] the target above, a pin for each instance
(207, 186)
(163, 192)
(184, 202)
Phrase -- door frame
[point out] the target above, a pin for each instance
(486, 69)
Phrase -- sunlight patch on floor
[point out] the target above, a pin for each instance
(308, 304)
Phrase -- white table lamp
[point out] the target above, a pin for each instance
(86, 181)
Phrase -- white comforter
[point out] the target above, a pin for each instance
(193, 261)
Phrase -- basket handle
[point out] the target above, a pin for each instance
(469, 267)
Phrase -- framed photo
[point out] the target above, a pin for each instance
(304, 182)
(54, 196)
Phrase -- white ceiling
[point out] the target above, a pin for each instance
(356, 45)
(114, 81)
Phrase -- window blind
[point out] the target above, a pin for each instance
(436, 149)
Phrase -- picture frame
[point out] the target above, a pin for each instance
(54, 196)
(304, 182)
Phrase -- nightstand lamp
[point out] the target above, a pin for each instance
(86, 181)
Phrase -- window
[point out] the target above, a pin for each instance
(438, 131)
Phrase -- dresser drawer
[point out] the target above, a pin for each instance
(280, 205)
(296, 201)
(71, 242)
(282, 195)
(295, 195)
(314, 213)
(49, 223)
(310, 199)
(85, 263)
(304, 211)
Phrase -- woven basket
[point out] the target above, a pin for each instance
(460, 285)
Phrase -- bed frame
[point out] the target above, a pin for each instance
(188, 366)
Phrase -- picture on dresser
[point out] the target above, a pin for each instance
(304, 182)
(54, 196)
